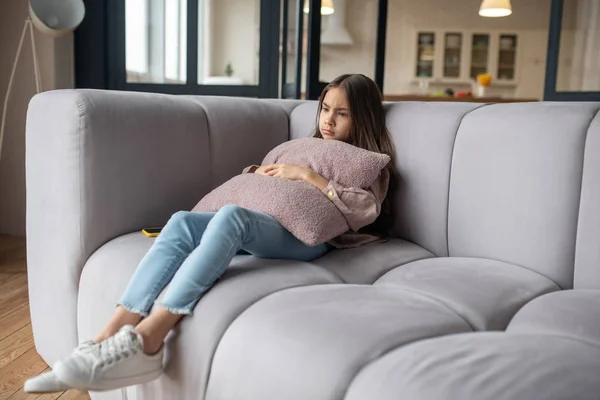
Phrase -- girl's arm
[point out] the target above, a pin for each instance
(359, 207)
(315, 179)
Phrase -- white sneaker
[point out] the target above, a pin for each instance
(47, 381)
(117, 362)
(44, 383)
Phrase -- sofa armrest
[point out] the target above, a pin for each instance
(100, 164)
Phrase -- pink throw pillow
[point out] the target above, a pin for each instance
(298, 206)
(337, 161)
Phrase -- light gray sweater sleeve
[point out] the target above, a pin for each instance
(359, 207)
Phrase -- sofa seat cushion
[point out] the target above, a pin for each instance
(569, 313)
(308, 343)
(108, 270)
(483, 366)
(486, 293)
(365, 264)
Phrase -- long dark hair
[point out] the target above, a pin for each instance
(368, 131)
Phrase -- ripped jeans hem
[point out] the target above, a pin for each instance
(133, 309)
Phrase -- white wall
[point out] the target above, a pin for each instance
(55, 64)
(360, 56)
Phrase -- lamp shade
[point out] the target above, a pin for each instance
(56, 17)
(495, 8)
(326, 7)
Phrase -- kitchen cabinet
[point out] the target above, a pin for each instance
(458, 56)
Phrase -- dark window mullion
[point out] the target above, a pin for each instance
(284, 40)
(91, 67)
(313, 87)
(115, 48)
(381, 38)
(556, 10)
(299, 42)
(268, 64)
(192, 46)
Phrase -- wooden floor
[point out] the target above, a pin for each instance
(18, 358)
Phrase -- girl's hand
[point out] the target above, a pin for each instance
(261, 170)
(290, 172)
(295, 173)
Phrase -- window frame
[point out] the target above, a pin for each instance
(554, 32)
(100, 53)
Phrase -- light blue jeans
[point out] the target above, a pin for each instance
(194, 250)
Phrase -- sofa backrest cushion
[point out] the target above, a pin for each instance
(424, 136)
(515, 185)
(587, 251)
(240, 132)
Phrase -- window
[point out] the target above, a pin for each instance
(579, 51)
(205, 47)
(156, 41)
(573, 63)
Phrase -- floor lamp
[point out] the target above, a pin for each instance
(53, 18)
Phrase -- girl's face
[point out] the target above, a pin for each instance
(335, 121)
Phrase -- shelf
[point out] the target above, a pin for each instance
(505, 83)
(470, 99)
(462, 82)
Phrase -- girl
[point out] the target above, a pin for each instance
(194, 249)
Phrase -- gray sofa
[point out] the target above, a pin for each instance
(490, 290)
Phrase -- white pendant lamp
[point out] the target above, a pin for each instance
(53, 18)
(326, 7)
(495, 8)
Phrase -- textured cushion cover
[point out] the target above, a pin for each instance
(299, 206)
(348, 165)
